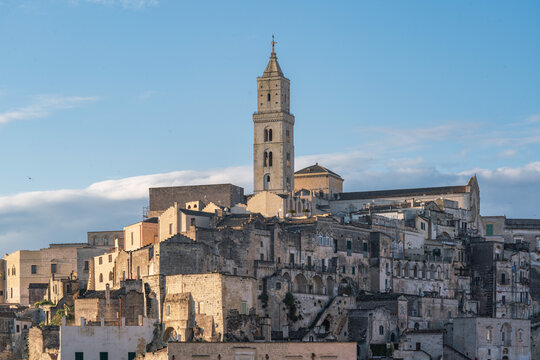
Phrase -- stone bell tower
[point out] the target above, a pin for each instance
(273, 144)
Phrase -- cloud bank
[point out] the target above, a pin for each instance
(34, 219)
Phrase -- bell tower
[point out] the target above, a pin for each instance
(273, 141)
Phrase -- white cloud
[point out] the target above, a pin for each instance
(34, 219)
(43, 106)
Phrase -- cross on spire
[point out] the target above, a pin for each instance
(273, 42)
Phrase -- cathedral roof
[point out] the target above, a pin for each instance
(316, 169)
(272, 69)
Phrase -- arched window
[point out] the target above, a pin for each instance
(268, 97)
(503, 278)
(265, 158)
(269, 158)
(100, 278)
(269, 134)
(381, 330)
(111, 276)
(265, 135)
(415, 271)
(266, 182)
(320, 238)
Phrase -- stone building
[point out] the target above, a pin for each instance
(162, 198)
(140, 234)
(318, 180)
(255, 351)
(28, 271)
(500, 279)
(492, 338)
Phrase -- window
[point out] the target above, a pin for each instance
(243, 308)
(168, 311)
(365, 249)
(131, 355)
(335, 246)
(265, 135)
(170, 229)
(261, 257)
(106, 240)
(111, 276)
(34, 269)
(13, 271)
(278, 286)
(53, 268)
(503, 278)
(138, 272)
(343, 269)
(229, 253)
(268, 97)
(235, 271)
(269, 158)
(100, 260)
(123, 275)
(287, 135)
(291, 258)
(288, 163)
(520, 335)
(309, 261)
(103, 356)
(353, 270)
(110, 258)
(349, 247)
(423, 226)
(488, 335)
(489, 229)
(418, 346)
(100, 278)
(132, 238)
(86, 265)
(503, 299)
(269, 134)
(381, 330)
(93, 240)
(79, 356)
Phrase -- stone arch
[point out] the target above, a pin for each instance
(169, 334)
(300, 284)
(318, 286)
(345, 287)
(506, 334)
(438, 274)
(330, 286)
(286, 276)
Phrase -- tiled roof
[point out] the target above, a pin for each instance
(401, 193)
(315, 169)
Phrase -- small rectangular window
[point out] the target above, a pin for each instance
(262, 257)
(53, 268)
(100, 260)
(34, 269)
(489, 229)
(243, 308)
(110, 258)
(103, 356)
(79, 356)
(131, 355)
(170, 229)
(86, 265)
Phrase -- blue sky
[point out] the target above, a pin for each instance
(100, 99)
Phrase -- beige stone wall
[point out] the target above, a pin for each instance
(19, 269)
(140, 234)
(267, 204)
(258, 351)
(168, 223)
(104, 266)
(326, 183)
(215, 294)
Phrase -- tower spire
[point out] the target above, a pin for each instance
(273, 43)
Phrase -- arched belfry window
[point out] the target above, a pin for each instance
(265, 135)
(269, 134)
(265, 161)
(269, 158)
(266, 182)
